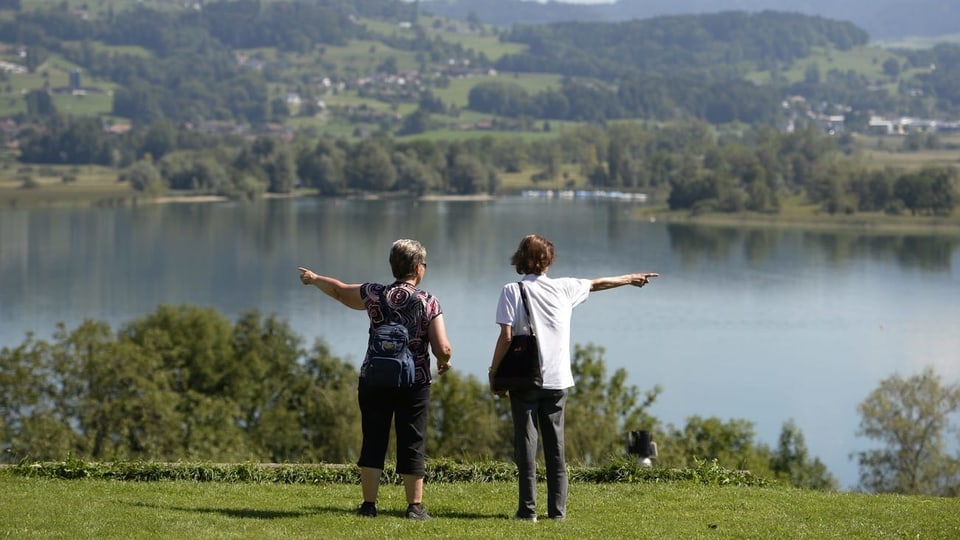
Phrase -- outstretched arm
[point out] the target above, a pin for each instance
(347, 294)
(637, 280)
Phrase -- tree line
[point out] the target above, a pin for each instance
(186, 383)
(689, 165)
(659, 98)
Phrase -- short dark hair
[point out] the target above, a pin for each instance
(534, 255)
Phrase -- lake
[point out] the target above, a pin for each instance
(761, 324)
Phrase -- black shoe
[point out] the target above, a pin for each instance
(417, 512)
(532, 518)
(367, 509)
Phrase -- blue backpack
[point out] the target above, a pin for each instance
(391, 363)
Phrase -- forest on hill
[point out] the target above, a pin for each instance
(884, 19)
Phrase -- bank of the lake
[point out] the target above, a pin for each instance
(795, 212)
(800, 215)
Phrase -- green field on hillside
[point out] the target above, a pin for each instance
(866, 61)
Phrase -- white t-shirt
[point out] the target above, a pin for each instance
(551, 302)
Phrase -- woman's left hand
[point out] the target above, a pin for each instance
(443, 367)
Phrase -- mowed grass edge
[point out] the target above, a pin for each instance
(98, 508)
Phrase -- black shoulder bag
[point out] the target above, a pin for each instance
(520, 368)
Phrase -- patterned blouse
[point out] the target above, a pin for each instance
(416, 308)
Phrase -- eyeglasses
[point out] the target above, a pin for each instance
(424, 264)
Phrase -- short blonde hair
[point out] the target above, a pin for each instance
(534, 255)
(405, 256)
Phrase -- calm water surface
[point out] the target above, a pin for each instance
(764, 325)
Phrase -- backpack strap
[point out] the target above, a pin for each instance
(388, 311)
(526, 308)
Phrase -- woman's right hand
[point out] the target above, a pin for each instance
(306, 275)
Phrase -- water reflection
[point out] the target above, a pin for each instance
(698, 243)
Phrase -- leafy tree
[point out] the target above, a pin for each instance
(281, 171)
(873, 190)
(551, 103)
(497, 97)
(601, 411)
(430, 103)
(931, 190)
(137, 100)
(467, 421)
(329, 415)
(414, 175)
(467, 174)
(323, 167)
(160, 139)
(195, 347)
(267, 385)
(31, 424)
(196, 171)
(791, 461)
(369, 166)
(731, 443)
(67, 140)
(910, 417)
(415, 123)
(143, 176)
(40, 103)
(891, 68)
(125, 407)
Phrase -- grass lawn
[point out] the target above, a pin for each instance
(103, 509)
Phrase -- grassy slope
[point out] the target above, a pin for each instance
(93, 185)
(100, 509)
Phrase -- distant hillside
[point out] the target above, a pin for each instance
(718, 45)
(882, 19)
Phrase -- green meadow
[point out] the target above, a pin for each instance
(107, 509)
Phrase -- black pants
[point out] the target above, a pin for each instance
(408, 409)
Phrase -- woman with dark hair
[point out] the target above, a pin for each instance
(550, 302)
(406, 406)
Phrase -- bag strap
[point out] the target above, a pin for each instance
(385, 306)
(526, 308)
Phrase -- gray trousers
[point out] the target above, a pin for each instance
(543, 409)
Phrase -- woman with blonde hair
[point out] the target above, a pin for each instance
(406, 406)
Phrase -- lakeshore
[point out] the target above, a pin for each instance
(795, 213)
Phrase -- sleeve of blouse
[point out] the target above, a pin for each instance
(507, 305)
